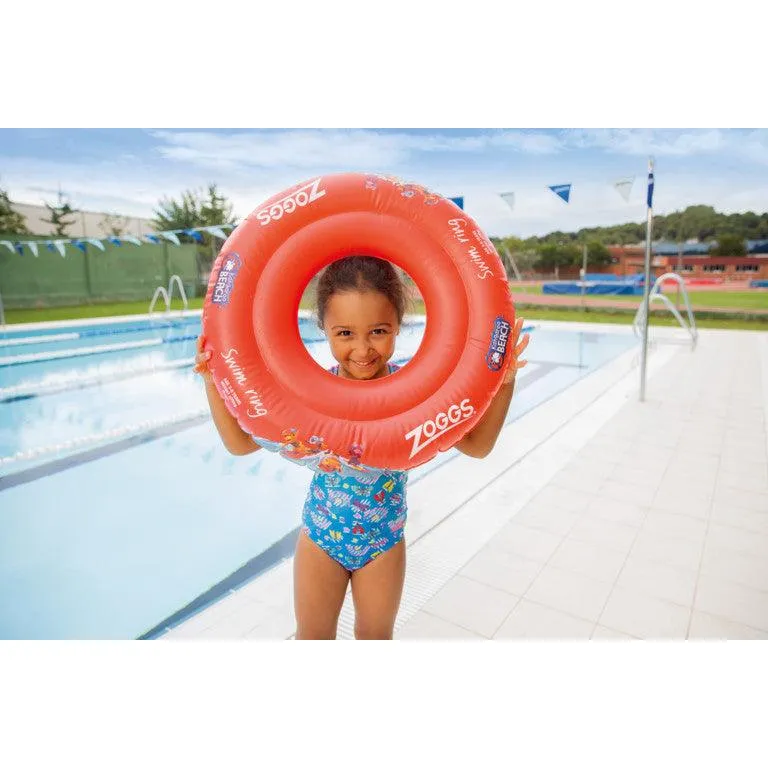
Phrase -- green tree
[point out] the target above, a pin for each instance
(702, 222)
(525, 256)
(11, 222)
(597, 253)
(552, 256)
(730, 245)
(59, 215)
(195, 209)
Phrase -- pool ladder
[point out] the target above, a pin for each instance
(657, 295)
(168, 295)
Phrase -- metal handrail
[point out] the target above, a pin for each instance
(168, 295)
(160, 291)
(657, 295)
(176, 280)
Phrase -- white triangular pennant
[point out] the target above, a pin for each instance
(216, 232)
(508, 198)
(170, 236)
(8, 245)
(624, 187)
(32, 247)
(95, 242)
(61, 246)
(131, 239)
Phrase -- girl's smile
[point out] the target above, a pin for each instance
(361, 327)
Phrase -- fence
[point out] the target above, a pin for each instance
(119, 273)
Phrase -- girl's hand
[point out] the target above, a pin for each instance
(518, 347)
(201, 361)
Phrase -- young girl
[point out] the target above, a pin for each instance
(346, 537)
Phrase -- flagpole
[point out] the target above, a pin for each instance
(647, 281)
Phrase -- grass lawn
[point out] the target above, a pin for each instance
(626, 318)
(87, 311)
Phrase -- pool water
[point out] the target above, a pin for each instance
(118, 503)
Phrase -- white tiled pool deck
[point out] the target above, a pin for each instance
(596, 516)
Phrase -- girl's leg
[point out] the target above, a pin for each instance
(319, 586)
(376, 591)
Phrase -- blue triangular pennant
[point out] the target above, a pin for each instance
(152, 238)
(195, 235)
(79, 244)
(115, 241)
(563, 191)
(459, 201)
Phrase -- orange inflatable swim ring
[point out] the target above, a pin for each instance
(268, 379)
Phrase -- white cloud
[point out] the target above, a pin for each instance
(674, 143)
(338, 149)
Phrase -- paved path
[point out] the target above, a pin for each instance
(657, 528)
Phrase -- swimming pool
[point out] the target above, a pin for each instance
(118, 504)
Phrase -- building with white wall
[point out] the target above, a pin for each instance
(86, 223)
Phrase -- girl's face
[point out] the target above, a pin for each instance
(361, 329)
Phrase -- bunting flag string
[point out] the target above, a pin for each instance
(563, 191)
(623, 186)
(82, 243)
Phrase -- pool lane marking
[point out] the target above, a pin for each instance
(26, 392)
(36, 357)
(24, 340)
(82, 457)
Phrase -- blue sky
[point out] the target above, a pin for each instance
(127, 171)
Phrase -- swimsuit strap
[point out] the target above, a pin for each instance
(392, 368)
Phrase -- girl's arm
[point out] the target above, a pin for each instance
(479, 442)
(235, 439)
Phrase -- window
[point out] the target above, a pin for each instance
(719, 268)
(686, 268)
(747, 268)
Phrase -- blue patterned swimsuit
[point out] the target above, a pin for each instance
(354, 515)
(355, 520)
